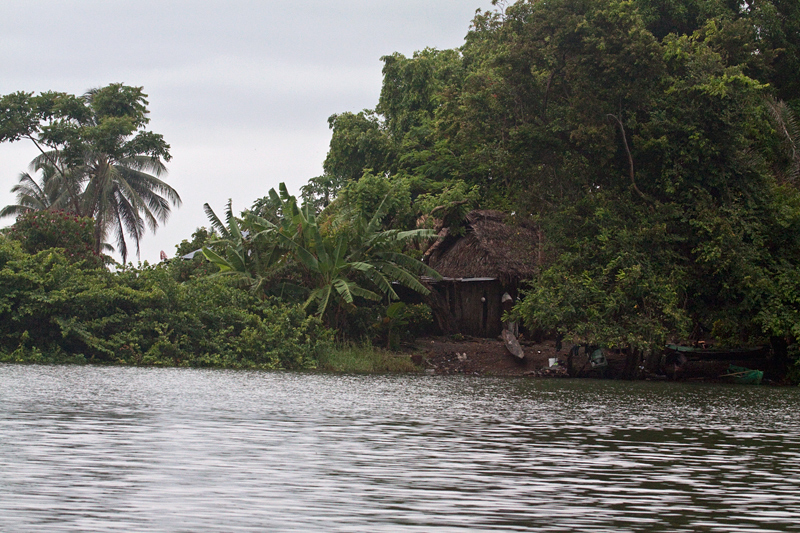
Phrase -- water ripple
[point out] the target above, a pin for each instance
(125, 449)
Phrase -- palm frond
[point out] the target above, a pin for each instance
(150, 186)
(14, 210)
(343, 289)
(27, 186)
(375, 222)
(144, 164)
(124, 188)
(233, 224)
(236, 259)
(217, 259)
(121, 244)
(373, 274)
(260, 225)
(364, 293)
(416, 234)
(409, 263)
(33, 196)
(402, 276)
(215, 222)
(306, 258)
(127, 220)
(322, 296)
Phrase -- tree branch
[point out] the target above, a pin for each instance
(546, 95)
(630, 157)
(451, 204)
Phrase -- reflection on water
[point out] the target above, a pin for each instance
(125, 449)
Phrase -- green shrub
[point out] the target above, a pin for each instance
(41, 230)
(403, 322)
(52, 310)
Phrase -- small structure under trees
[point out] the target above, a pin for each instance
(490, 258)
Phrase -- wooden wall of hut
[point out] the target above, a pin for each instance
(474, 306)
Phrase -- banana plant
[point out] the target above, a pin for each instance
(239, 256)
(336, 266)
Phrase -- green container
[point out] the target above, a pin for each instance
(745, 376)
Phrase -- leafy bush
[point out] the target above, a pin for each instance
(403, 322)
(197, 266)
(42, 230)
(449, 206)
(616, 285)
(52, 310)
(372, 192)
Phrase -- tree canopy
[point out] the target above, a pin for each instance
(654, 143)
(96, 158)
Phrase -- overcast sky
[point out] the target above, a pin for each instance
(241, 90)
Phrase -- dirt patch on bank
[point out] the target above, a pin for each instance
(489, 357)
(477, 356)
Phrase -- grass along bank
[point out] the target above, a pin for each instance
(363, 359)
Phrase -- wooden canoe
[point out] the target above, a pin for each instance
(512, 344)
(713, 354)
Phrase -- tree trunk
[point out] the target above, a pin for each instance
(632, 361)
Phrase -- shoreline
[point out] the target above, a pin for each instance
(445, 356)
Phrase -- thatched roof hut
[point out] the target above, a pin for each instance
(491, 258)
(490, 248)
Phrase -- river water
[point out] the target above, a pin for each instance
(128, 449)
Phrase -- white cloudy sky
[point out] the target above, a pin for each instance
(241, 89)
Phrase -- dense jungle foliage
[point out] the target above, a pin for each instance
(655, 144)
(58, 307)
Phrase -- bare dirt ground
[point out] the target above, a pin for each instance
(477, 356)
(489, 357)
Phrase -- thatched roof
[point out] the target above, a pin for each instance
(489, 248)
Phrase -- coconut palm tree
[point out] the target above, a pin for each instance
(125, 196)
(33, 196)
(112, 170)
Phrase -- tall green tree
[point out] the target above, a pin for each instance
(653, 142)
(359, 141)
(109, 165)
(645, 160)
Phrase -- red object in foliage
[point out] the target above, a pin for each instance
(163, 256)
